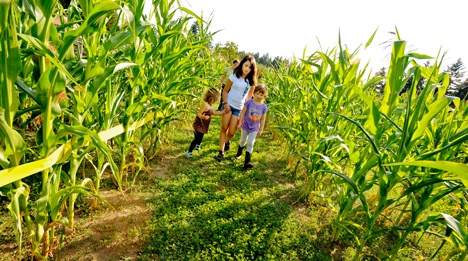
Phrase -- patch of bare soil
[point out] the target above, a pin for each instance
(116, 231)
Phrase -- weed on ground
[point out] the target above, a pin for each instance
(209, 210)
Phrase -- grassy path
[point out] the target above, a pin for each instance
(206, 210)
(199, 209)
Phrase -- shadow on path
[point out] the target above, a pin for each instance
(206, 210)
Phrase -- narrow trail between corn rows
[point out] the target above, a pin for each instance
(201, 209)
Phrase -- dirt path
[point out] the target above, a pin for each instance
(117, 232)
(110, 233)
(113, 231)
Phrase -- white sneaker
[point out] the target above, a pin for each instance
(198, 147)
(189, 155)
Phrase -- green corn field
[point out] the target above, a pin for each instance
(98, 83)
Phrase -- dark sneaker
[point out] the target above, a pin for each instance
(239, 152)
(227, 146)
(248, 166)
(220, 157)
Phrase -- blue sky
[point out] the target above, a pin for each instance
(285, 28)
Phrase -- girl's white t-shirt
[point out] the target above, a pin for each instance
(238, 92)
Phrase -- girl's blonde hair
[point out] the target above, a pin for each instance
(211, 95)
(261, 88)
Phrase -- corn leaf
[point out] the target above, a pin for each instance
(10, 61)
(14, 142)
(459, 169)
(433, 110)
(100, 10)
(41, 49)
(371, 38)
(396, 71)
(15, 211)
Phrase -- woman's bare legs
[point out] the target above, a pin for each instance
(232, 128)
(225, 124)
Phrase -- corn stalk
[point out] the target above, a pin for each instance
(330, 132)
(13, 147)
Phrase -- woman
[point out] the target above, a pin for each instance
(239, 88)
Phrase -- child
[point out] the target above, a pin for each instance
(252, 119)
(203, 119)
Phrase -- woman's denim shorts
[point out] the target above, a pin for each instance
(235, 112)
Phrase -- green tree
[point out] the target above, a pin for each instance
(278, 60)
(229, 51)
(379, 88)
(456, 72)
(463, 90)
(194, 28)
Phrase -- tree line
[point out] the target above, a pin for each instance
(458, 87)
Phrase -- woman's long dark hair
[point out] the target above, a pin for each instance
(252, 76)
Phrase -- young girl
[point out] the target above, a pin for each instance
(203, 119)
(252, 119)
(239, 88)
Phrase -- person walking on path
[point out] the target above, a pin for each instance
(252, 120)
(239, 88)
(202, 121)
(227, 72)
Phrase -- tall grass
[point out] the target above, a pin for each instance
(101, 64)
(383, 163)
(353, 146)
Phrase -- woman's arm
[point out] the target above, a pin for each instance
(227, 87)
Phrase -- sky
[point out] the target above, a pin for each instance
(286, 28)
